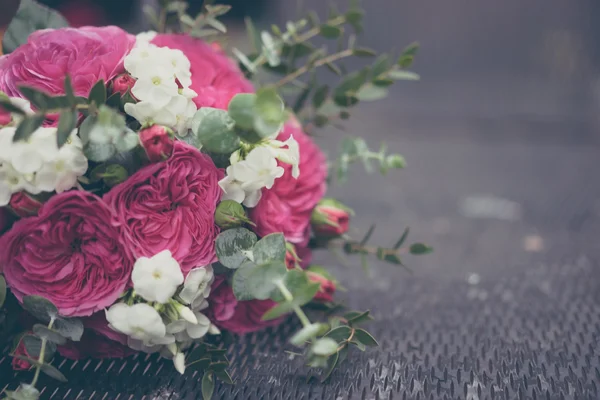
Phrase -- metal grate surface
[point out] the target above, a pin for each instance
(507, 307)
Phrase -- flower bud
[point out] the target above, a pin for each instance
(291, 257)
(230, 214)
(213, 330)
(327, 289)
(395, 161)
(123, 84)
(330, 218)
(17, 363)
(187, 314)
(179, 362)
(157, 142)
(24, 205)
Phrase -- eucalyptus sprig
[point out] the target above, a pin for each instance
(41, 344)
(172, 16)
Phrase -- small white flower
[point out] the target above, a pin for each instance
(197, 284)
(156, 85)
(157, 278)
(199, 304)
(187, 314)
(139, 345)
(187, 93)
(144, 37)
(139, 58)
(259, 170)
(140, 321)
(213, 330)
(291, 155)
(184, 110)
(179, 362)
(232, 189)
(194, 331)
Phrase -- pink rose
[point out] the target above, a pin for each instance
(171, 206)
(237, 316)
(157, 143)
(287, 206)
(326, 290)
(24, 205)
(70, 254)
(122, 84)
(86, 54)
(330, 219)
(215, 77)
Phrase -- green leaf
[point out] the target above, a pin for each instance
(257, 281)
(41, 100)
(28, 126)
(31, 16)
(400, 75)
(33, 345)
(53, 373)
(408, 55)
(297, 50)
(368, 235)
(208, 385)
(365, 338)
(98, 93)
(388, 255)
(40, 308)
(253, 35)
(51, 335)
(370, 92)
(99, 152)
(355, 18)
(71, 328)
(360, 346)
(69, 92)
(2, 290)
(325, 347)
(302, 288)
(214, 130)
(320, 96)
(224, 377)
(231, 244)
(8, 106)
(269, 249)
(278, 311)
(356, 318)
(269, 49)
(332, 362)
(270, 110)
(86, 127)
(242, 109)
(307, 333)
(402, 239)
(340, 334)
(334, 68)
(420, 248)
(364, 52)
(66, 125)
(381, 65)
(331, 31)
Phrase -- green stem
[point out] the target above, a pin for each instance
(40, 362)
(319, 63)
(287, 295)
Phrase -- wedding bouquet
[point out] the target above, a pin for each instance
(155, 193)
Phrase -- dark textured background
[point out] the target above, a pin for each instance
(501, 139)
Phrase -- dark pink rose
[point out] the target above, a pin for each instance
(327, 289)
(86, 54)
(5, 117)
(297, 255)
(24, 205)
(215, 77)
(157, 143)
(287, 206)
(171, 206)
(122, 84)
(70, 254)
(237, 316)
(330, 218)
(98, 323)
(93, 345)
(18, 364)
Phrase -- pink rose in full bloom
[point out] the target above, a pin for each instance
(287, 206)
(24, 205)
(18, 364)
(69, 253)
(237, 316)
(86, 54)
(215, 77)
(157, 143)
(171, 206)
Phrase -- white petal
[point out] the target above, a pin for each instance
(253, 198)
(179, 362)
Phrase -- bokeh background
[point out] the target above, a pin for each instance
(501, 137)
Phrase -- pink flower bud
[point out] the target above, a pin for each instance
(18, 364)
(5, 117)
(330, 218)
(327, 289)
(23, 205)
(157, 143)
(123, 83)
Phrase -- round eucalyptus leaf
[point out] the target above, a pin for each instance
(214, 131)
(242, 110)
(270, 248)
(304, 335)
(71, 328)
(257, 281)
(325, 347)
(231, 244)
(40, 308)
(51, 335)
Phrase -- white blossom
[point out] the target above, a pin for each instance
(194, 331)
(157, 278)
(156, 85)
(290, 156)
(143, 38)
(179, 362)
(37, 164)
(139, 321)
(258, 170)
(197, 284)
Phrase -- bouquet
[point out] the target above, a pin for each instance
(156, 192)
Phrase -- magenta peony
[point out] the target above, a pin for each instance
(287, 207)
(86, 54)
(171, 206)
(237, 316)
(70, 254)
(215, 77)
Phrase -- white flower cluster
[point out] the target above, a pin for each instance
(171, 318)
(247, 177)
(162, 86)
(37, 164)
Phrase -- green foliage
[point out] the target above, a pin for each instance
(213, 130)
(270, 248)
(40, 308)
(31, 16)
(24, 392)
(212, 363)
(231, 214)
(258, 116)
(173, 17)
(420, 248)
(208, 385)
(110, 174)
(253, 281)
(233, 245)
